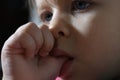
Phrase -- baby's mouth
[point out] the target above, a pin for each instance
(66, 67)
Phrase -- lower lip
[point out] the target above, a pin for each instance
(65, 71)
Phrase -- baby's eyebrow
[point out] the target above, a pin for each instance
(40, 6)
(43, 5)
(57, 2)
(52, 1)
(47, 4)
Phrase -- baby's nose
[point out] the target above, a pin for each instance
(59, 26)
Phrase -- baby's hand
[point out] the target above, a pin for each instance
(25, 55)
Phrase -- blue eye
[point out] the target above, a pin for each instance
(82, 5)
(47, 16)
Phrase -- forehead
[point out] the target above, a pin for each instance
(53, 3)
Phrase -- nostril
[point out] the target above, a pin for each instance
(61, 33)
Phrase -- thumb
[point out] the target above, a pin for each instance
(50, 67)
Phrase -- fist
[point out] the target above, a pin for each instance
(25, 54)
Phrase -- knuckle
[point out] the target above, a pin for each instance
(48, 46)
(40, 43)
(31, 24)
(26, 27)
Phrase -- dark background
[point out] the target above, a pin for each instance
(13, 13)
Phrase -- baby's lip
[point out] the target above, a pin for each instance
(60, 53)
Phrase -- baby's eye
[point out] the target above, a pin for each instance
(46, 16)
(81, 5)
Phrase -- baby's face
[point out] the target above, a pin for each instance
(89, 31)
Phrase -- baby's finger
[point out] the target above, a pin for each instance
(36, 33)
(49, 67)
(28, 44)
(21, 42)
(48, 41)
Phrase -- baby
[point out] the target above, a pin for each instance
(76, 40)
